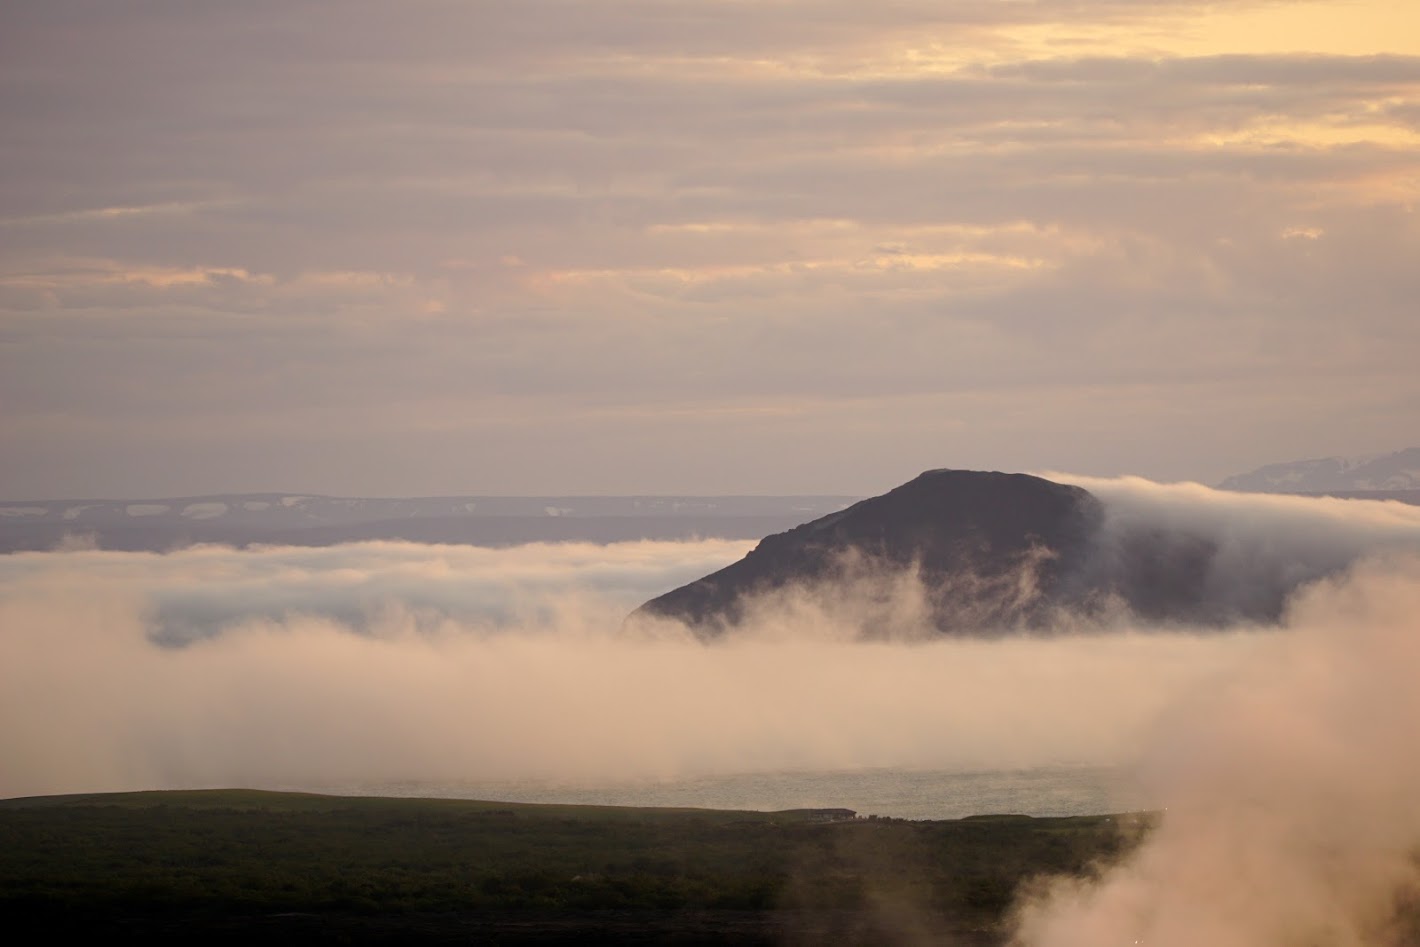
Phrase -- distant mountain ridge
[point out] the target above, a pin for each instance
(1399, 471)
(297, 509)
(314, 520)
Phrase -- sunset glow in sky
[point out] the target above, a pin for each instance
(700, 246)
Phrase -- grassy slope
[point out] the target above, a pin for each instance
(367, 869)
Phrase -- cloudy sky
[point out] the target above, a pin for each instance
(699, 246)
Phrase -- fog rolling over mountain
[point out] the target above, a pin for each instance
(982, 553)
(398, 661)
(1383, 474)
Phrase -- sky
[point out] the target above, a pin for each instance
(699, 246)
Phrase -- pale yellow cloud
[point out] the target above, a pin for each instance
(868, 264)
(1330, 27)
(355, 279)
(1333, 27)
(1269, 132)
(77, 274)
(1343, 28)
(96, 214)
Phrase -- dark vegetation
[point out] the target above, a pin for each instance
(241, 866)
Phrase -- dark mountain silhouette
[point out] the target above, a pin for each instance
(994, 552)
(955, 526)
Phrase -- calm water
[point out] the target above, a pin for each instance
(884, 792)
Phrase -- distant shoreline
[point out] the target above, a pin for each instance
(240, 520)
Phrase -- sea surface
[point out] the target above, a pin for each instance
(902, 794)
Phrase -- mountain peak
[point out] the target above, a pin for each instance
(969, 534)
(978, 553)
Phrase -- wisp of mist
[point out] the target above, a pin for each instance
(1285, 756)
(1289, 792)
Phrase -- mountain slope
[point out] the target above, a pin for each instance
(954, 526)
(1389, 472)
(978, 553)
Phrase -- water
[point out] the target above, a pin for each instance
(903, 794)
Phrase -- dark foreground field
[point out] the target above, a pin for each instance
(240, 866)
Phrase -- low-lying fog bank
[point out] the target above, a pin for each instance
(546, 685)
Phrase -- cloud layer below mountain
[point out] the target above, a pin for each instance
(535, 679)
(397, 661)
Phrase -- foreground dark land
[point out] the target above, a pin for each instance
(234, 866)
